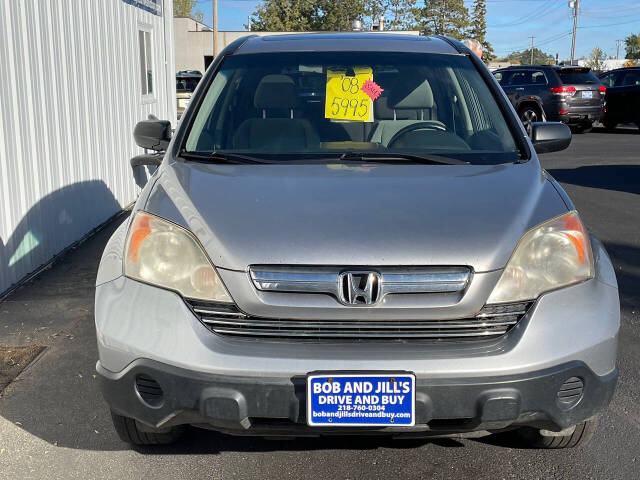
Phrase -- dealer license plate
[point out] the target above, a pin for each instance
(361, 400)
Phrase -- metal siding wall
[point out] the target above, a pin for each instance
(69, 99)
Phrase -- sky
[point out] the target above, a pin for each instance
(511, 23)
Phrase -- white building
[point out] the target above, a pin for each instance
(194, 42)
(75, 77)
(608, 64)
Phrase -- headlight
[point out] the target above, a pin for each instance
(554, 254)
(164, 254)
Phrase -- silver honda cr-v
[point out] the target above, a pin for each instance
(352, 233)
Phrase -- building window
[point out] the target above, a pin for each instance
(146, 63)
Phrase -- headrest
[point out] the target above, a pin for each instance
(407, 95)
(275, 91)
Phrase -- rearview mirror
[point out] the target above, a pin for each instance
(153, 134)
(550, 136)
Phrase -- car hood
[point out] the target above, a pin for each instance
(364, 215)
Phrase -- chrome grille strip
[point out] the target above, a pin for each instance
(357, 325)
(392, 281)
(359, 335)
(491, 322)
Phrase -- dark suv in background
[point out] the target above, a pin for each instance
(623, 96)
(572, 95)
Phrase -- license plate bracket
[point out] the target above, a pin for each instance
(361, 399)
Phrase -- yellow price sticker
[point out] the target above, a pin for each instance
(345, 99)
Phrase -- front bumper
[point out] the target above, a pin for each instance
(276, 406)
(250, 385)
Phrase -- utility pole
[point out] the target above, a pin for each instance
(575, 5)
(531, 37)
(215, 28)
(618, 42)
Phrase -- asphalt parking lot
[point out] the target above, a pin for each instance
(54, 424)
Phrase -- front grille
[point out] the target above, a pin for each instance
(492, 321)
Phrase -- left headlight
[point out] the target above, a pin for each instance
(552, 255)
(166, 255)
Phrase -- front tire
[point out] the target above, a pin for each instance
(578, 437)
(128, 431)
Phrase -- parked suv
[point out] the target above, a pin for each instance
(572, 95)
(352, 233)
(623, 96)
(186, 83)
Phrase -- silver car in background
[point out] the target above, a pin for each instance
(352, 233)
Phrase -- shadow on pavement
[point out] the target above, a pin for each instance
(197, 441)
(622, 130)
(626, 261)
(623, 178)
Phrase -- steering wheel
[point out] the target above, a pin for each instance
(430, 125)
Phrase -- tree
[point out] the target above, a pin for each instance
(401, 14)
(444, 17)
(539, 57)
(596, 59)
(185, 8)
(478, 29)
(283, 16)
(397, 14)
(337, 15)
(632, 42)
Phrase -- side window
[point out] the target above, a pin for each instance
(146, 62)
(498, 76)
(520, 78)
(538, 78)
(631, 78)
(609, 79)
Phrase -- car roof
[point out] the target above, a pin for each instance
(345, 42)
(188, 75)
(621, 69)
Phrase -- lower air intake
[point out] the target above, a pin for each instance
(570, 393)
(149, 390)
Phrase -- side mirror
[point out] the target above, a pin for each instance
(153, 134)
(550, 137)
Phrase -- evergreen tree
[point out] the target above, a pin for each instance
(337, 15)
(400, 14)
(478, 30)
(284, 16)
(443, 17)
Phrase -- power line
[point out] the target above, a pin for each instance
(537, 11)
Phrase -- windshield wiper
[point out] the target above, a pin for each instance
(219, 157)
(394, 157)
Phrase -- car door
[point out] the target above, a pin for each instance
(503, 78)
(615, 108)
(513, 85)
(628, 87)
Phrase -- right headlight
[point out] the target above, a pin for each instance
(164, 254)
(552, 255)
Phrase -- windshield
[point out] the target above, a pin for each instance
(299, 106)
(186, 84)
